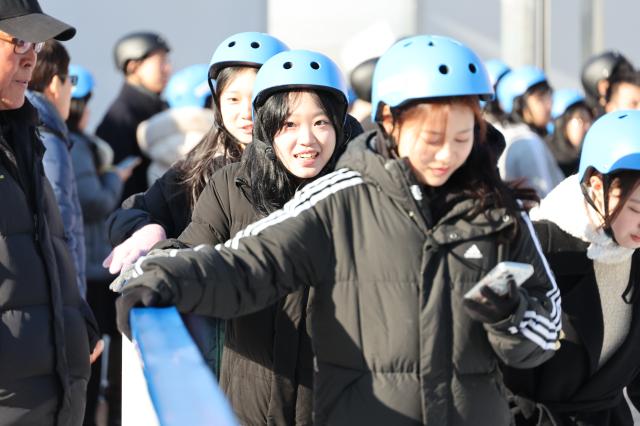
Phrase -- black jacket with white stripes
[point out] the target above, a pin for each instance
(267, 363)
(393, 344)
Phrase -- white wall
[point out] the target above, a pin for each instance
(347, 30)
(477, 23)
(193, 28)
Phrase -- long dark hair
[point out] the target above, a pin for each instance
(566, 154)
(478, 178)
(217, 149)
(271, 184)
(76, 110)
(520, 103)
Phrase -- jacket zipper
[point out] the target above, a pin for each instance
(36, 227)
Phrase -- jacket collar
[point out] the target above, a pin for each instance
(49, 116)
(566, 207)
(141, 99)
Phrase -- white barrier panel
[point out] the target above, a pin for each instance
(137, 408)
(165, 380)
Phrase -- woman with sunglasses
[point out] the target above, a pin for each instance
(388, 245)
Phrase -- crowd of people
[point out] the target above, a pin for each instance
(322, 235)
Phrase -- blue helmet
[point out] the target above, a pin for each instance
(515, 83)
(299, 69)
(188, 87)
(612, 143)
(426, 66)
(85, 82)
(496, 69)
(563, 99)
(243, 49)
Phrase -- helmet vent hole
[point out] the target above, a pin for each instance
(622, 116)
(431, 44)
(287, 65)
(472, 68)
(443, 69)
(233, 43)
(407, 44)
(255, 44)
(315, 65)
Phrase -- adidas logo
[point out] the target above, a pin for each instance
(473, 252)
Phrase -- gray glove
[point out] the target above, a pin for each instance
(134, 270)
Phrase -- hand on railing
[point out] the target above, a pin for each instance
(138, 244)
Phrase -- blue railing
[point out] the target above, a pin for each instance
(182, 389)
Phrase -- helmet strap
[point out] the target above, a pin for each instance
(606, 184)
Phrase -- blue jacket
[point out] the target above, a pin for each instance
(59, 170)
(99, 195)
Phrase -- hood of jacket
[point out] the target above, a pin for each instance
(169, 135)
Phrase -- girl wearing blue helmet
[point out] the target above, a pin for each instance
(524, 95)
(164, 210)
(389, 244)
(589, 228)
(300, 103)
(571, 117)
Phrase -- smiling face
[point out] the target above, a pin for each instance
(235, 105)
(305, 144)
(436, 139)
(15, 74)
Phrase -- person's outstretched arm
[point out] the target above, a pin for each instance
(279, 254)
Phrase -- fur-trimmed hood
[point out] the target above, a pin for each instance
(566, 207)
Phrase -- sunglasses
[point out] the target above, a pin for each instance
(20, 47)
(73, 78)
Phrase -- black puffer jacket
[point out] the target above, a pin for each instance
(166, 203)
(267, 368)
(46, 328)
(393, 343)
(133, 105)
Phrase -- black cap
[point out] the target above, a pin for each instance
(24, 19)
(602, 66)
(137, 46)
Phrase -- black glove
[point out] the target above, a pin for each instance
(493, 308)
(130, 298)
